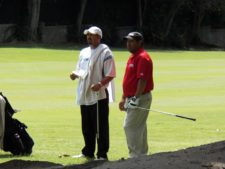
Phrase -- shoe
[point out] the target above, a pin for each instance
(79, 156)
(83, 156)
(101, 159)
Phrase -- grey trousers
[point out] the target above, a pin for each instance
(2, 120)
(135, 127)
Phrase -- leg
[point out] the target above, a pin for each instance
(136, 128)
(88, 114)
(103, 141)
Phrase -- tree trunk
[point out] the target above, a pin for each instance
(33, 19)
(145, 8)
(140, 16)
(198, 17)
(80, 18)
(171, 15)
(1, 2)
(142, 6)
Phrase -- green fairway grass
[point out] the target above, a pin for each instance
(189, 83)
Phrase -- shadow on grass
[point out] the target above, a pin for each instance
(22, 164)
(6, 156)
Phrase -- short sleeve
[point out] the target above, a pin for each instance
(109, 65)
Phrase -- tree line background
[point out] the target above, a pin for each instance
(170, 23)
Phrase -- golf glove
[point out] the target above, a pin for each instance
(132, 102)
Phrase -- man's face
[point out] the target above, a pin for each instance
(133, 45)
(93, 39)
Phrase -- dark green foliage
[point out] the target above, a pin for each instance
(170, 23)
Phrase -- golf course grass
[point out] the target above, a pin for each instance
(189, 83)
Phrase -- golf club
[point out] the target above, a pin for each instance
(167, 113)
(97, 109)
(97, 118)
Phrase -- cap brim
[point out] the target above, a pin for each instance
(86, 31)
(132, 38)
(127, 37)
(91, 32)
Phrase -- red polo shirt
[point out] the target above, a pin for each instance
(139, 66)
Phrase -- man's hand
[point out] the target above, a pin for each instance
(132, 102)
(73, 76)
(122, 105)
(96, 87)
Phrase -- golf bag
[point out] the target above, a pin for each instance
(16, 139)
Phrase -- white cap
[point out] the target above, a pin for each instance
(93, 30)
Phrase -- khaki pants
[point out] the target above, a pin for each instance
(2, 120)
(135, 127)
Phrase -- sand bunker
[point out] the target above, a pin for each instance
(210, 156)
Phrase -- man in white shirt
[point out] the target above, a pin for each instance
(95, 70)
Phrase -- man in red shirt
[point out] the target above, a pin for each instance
(137, 87)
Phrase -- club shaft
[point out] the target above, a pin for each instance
(97, 121)
(97, 134)
(167, 113)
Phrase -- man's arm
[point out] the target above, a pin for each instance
(96, 87)
(140, 87)
(122, 102)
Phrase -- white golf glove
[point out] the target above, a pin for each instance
(133, 102)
